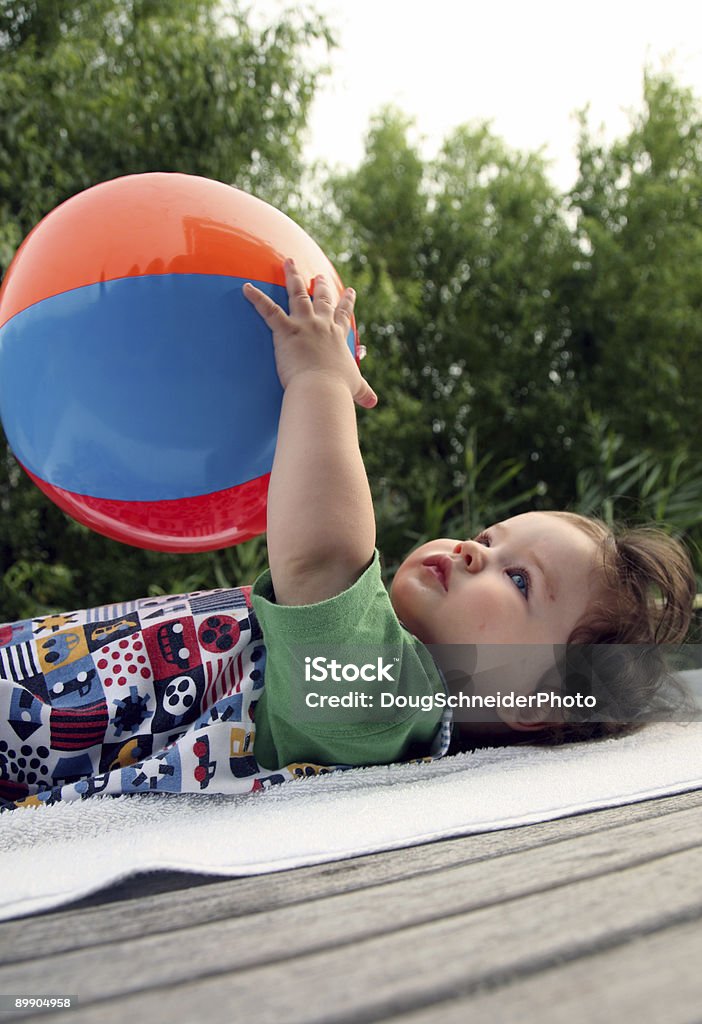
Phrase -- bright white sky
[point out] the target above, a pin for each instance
(526, 66)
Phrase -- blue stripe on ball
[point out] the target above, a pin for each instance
(143, 388)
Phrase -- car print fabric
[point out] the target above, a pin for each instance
(156, 695)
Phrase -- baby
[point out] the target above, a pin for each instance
(493, 610)
(316, 666)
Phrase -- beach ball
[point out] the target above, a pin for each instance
(137, 385)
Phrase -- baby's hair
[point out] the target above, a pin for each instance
(646, 599)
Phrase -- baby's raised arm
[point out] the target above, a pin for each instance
(321, 526)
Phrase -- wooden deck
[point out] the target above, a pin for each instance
(592, 918)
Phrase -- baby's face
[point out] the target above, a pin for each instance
(527, 580)
(512, 594)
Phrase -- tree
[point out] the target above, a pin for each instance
(454, 261)
(633, 288)
(93, 90)
(496, 238)
(513, 332)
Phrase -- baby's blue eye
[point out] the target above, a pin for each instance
(520, 582)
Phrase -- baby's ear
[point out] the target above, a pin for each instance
(539, 715)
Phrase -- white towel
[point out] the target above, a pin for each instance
(55, 854)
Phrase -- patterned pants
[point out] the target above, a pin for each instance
(156, 695)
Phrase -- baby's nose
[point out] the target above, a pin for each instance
(472, 554)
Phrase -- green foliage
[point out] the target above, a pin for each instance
(230, 567)
(645, 487)
(488, 301)
(454, 262)
(94, 90)
(634, 290)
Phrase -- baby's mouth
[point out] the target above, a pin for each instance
(440, 566)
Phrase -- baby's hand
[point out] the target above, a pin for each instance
(311, 339)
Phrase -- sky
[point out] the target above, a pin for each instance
(526, 67)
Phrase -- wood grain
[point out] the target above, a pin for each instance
(466, 928)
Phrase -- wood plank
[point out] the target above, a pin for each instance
(656, 978)
(287, 964)
(84, 928)
(479, 845)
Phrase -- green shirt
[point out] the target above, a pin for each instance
(360, 619)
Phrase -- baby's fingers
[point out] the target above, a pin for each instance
(365, 396)
(322, 300)
(343, 313)
(270, 311)
(298, 296)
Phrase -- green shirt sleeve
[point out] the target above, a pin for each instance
(360, 624)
